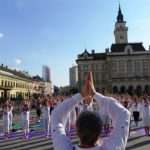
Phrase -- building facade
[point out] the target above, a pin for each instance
(73, 76)
(122, 68)
(14, 84)
(18, 85)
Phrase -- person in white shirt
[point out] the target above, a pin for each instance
(25, 118)
(89, 123)
(46, 117)
(70, 122)
(146, 116)
(106, 120)
(6, 120)
(10, 105)
(11, 116)
(136, 110)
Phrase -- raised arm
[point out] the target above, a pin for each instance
(59, 116)
(120, 118)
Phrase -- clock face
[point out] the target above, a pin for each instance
(121, 37)
(120, 28)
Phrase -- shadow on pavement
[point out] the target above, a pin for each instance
(138, 145)
(135, 138)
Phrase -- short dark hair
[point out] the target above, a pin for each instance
(89, 126)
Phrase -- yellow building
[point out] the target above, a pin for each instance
(14, 84)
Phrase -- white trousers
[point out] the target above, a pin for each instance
(6, 124)
(46, 125)
(25, 125)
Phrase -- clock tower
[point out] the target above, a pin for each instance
(121, 30)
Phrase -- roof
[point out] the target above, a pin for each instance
(136, 47)
(14, 73)
(91, 56)
(37, 78)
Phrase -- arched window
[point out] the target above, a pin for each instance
(5, 83)
(130, 90)
(128, 49)
(147, 89)
(122, 89)
(138, 90)
(115, 89)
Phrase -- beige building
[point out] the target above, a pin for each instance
(124, 67)
(16, 84)
(41, 87)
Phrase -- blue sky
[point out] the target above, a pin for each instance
(53, 32)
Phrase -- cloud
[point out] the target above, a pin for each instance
(18, 61)
(1, 35)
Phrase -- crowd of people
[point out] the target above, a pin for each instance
(138, 106)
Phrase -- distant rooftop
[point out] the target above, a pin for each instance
(5, 70)
(137, 47)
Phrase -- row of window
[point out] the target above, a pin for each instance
(131, 66)
(15, 95)
(12, 84)
(119, 65)
(131, 89)
(97, 76)
(87, 67)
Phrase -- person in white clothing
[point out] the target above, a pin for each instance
(70, 121)
(6, 120)
(146, 116)
(46, 117)
(9, 103)
(89, 124)
(11, 113)
(25, 118)
(136, 110)
(106, 120)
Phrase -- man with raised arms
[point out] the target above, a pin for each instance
(89, 124)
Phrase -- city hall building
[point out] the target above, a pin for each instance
(124, 68)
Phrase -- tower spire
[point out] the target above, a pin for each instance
(121, 30)
(120, 15)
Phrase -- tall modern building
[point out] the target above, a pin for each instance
(46, 73)
(122, 68)
(73, 74)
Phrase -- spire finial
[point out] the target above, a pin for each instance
(119, 6)
(120, 15)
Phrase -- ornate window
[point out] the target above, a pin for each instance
(128, 49)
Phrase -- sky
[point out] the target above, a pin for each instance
(53, 32)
